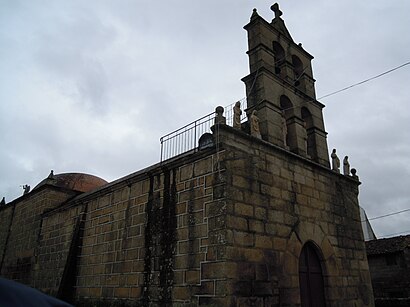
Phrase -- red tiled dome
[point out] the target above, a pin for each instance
(74, 181)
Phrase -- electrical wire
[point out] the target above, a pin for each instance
(386, 215)
(350, 86)
(364, 81)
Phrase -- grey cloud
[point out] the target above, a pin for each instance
(90, 86)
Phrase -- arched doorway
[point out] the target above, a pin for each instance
(312, 292)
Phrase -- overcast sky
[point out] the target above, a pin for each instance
(91, 86)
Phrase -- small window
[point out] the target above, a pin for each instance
(391, 259)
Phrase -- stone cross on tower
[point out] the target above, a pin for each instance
(276, 10)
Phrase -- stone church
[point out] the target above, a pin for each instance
(252, 216)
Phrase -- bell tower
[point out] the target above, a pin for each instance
(280, 87)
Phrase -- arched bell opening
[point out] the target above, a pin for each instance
(288, 130)
(310, 133)
(297, 69)
(280, 57)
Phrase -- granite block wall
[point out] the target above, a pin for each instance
(277, 202)
(390, 274)
(155, 237)
(6, 214)
(24, 232)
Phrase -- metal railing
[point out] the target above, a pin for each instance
(186, 138)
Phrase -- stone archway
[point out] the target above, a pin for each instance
(305, 233)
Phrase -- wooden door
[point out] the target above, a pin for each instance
(312, 292)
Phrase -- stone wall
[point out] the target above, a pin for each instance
(19, 253)
(6, 215)
(57, 235)
(276, 202)
(154, 236)
(390, 274)
(220, 227)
